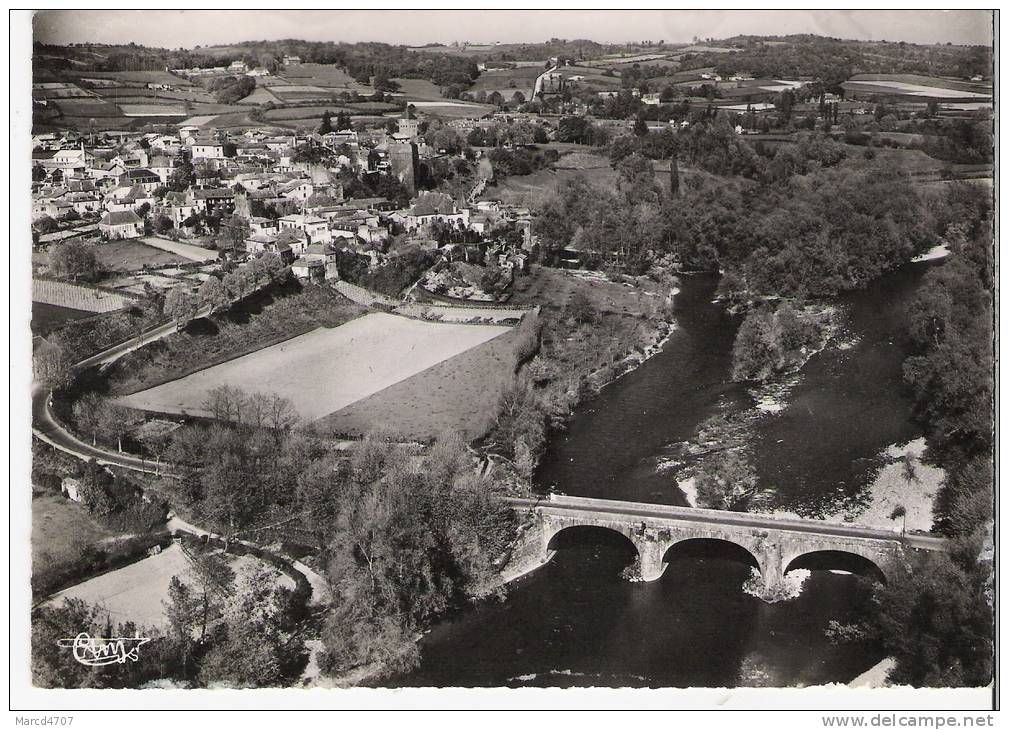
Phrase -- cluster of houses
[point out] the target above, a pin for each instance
(172, 184)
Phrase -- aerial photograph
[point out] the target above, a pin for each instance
(462, 349)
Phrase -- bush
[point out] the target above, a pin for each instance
(770, 342)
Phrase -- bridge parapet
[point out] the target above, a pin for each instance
(773, 543)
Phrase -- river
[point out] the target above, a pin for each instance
(576, 622)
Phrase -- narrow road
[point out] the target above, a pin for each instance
(50, 430)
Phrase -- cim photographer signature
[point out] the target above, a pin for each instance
(99, 652)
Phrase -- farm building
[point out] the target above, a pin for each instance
(121, 224)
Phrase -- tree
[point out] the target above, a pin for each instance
(87, 414)
(900, 512)
(640, 127)
(236, 229)
(183, 175)
(193, 607)
(674, 176)
(52, 364)
(257, 644)
(180, 304)
(213, 294)
(327, 123)
(406, 542)
(726, 481)
(73, 260)
(225, 403)
(581, 309)
(53, 664)
(115, 421)
(280, 413)
(318, 497)
(935, 619)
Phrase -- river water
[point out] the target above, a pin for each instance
(576, 622)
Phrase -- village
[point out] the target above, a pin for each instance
(189, 191)
(315, 322)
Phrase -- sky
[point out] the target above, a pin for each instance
(189, 28)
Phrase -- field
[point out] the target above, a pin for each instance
(123, 93)
(314, 122)
(88, 107)
(454, 109)
(130, 255)
(143, 77)
(300, 93)
(59, 91)
(528, 190)
(262, 319)
(136, 591)
(899, 88)
(411, 89)
(330, 77)
(261, 95)
(198, 121)
(153, 110)
(360, 358)
(301, 112)
(507, 81)
(61, 529)
(458, 394)
(232, 119)
(47, 317)
(917, 88)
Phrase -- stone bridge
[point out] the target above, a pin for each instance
(774, 544)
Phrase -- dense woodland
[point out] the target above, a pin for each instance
(834, 60)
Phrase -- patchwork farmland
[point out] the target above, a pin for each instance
(325, 370)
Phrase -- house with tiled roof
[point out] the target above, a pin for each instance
(433, 207)
(162, 166)
(140, 176)
(121, 224)
(315, 229)
(207, 149)
(309, 269)
(214, 201)
(84, 202)
(176, 207)
(129, 198)
(301, 189)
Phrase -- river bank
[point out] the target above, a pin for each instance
(902, 480)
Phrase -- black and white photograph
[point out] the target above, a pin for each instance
(504, 357)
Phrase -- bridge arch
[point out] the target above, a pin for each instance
(613, 535)
(705, 547)
(840, 559)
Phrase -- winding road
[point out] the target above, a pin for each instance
(49, 429)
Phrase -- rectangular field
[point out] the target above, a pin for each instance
(183, 250)
(136, 591)
(153, 110)
(898, 87)
(459, 395)
(47, 317)
(130, 255)
(325, 370)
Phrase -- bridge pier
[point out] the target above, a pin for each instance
(772, 543)
(650, 555)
